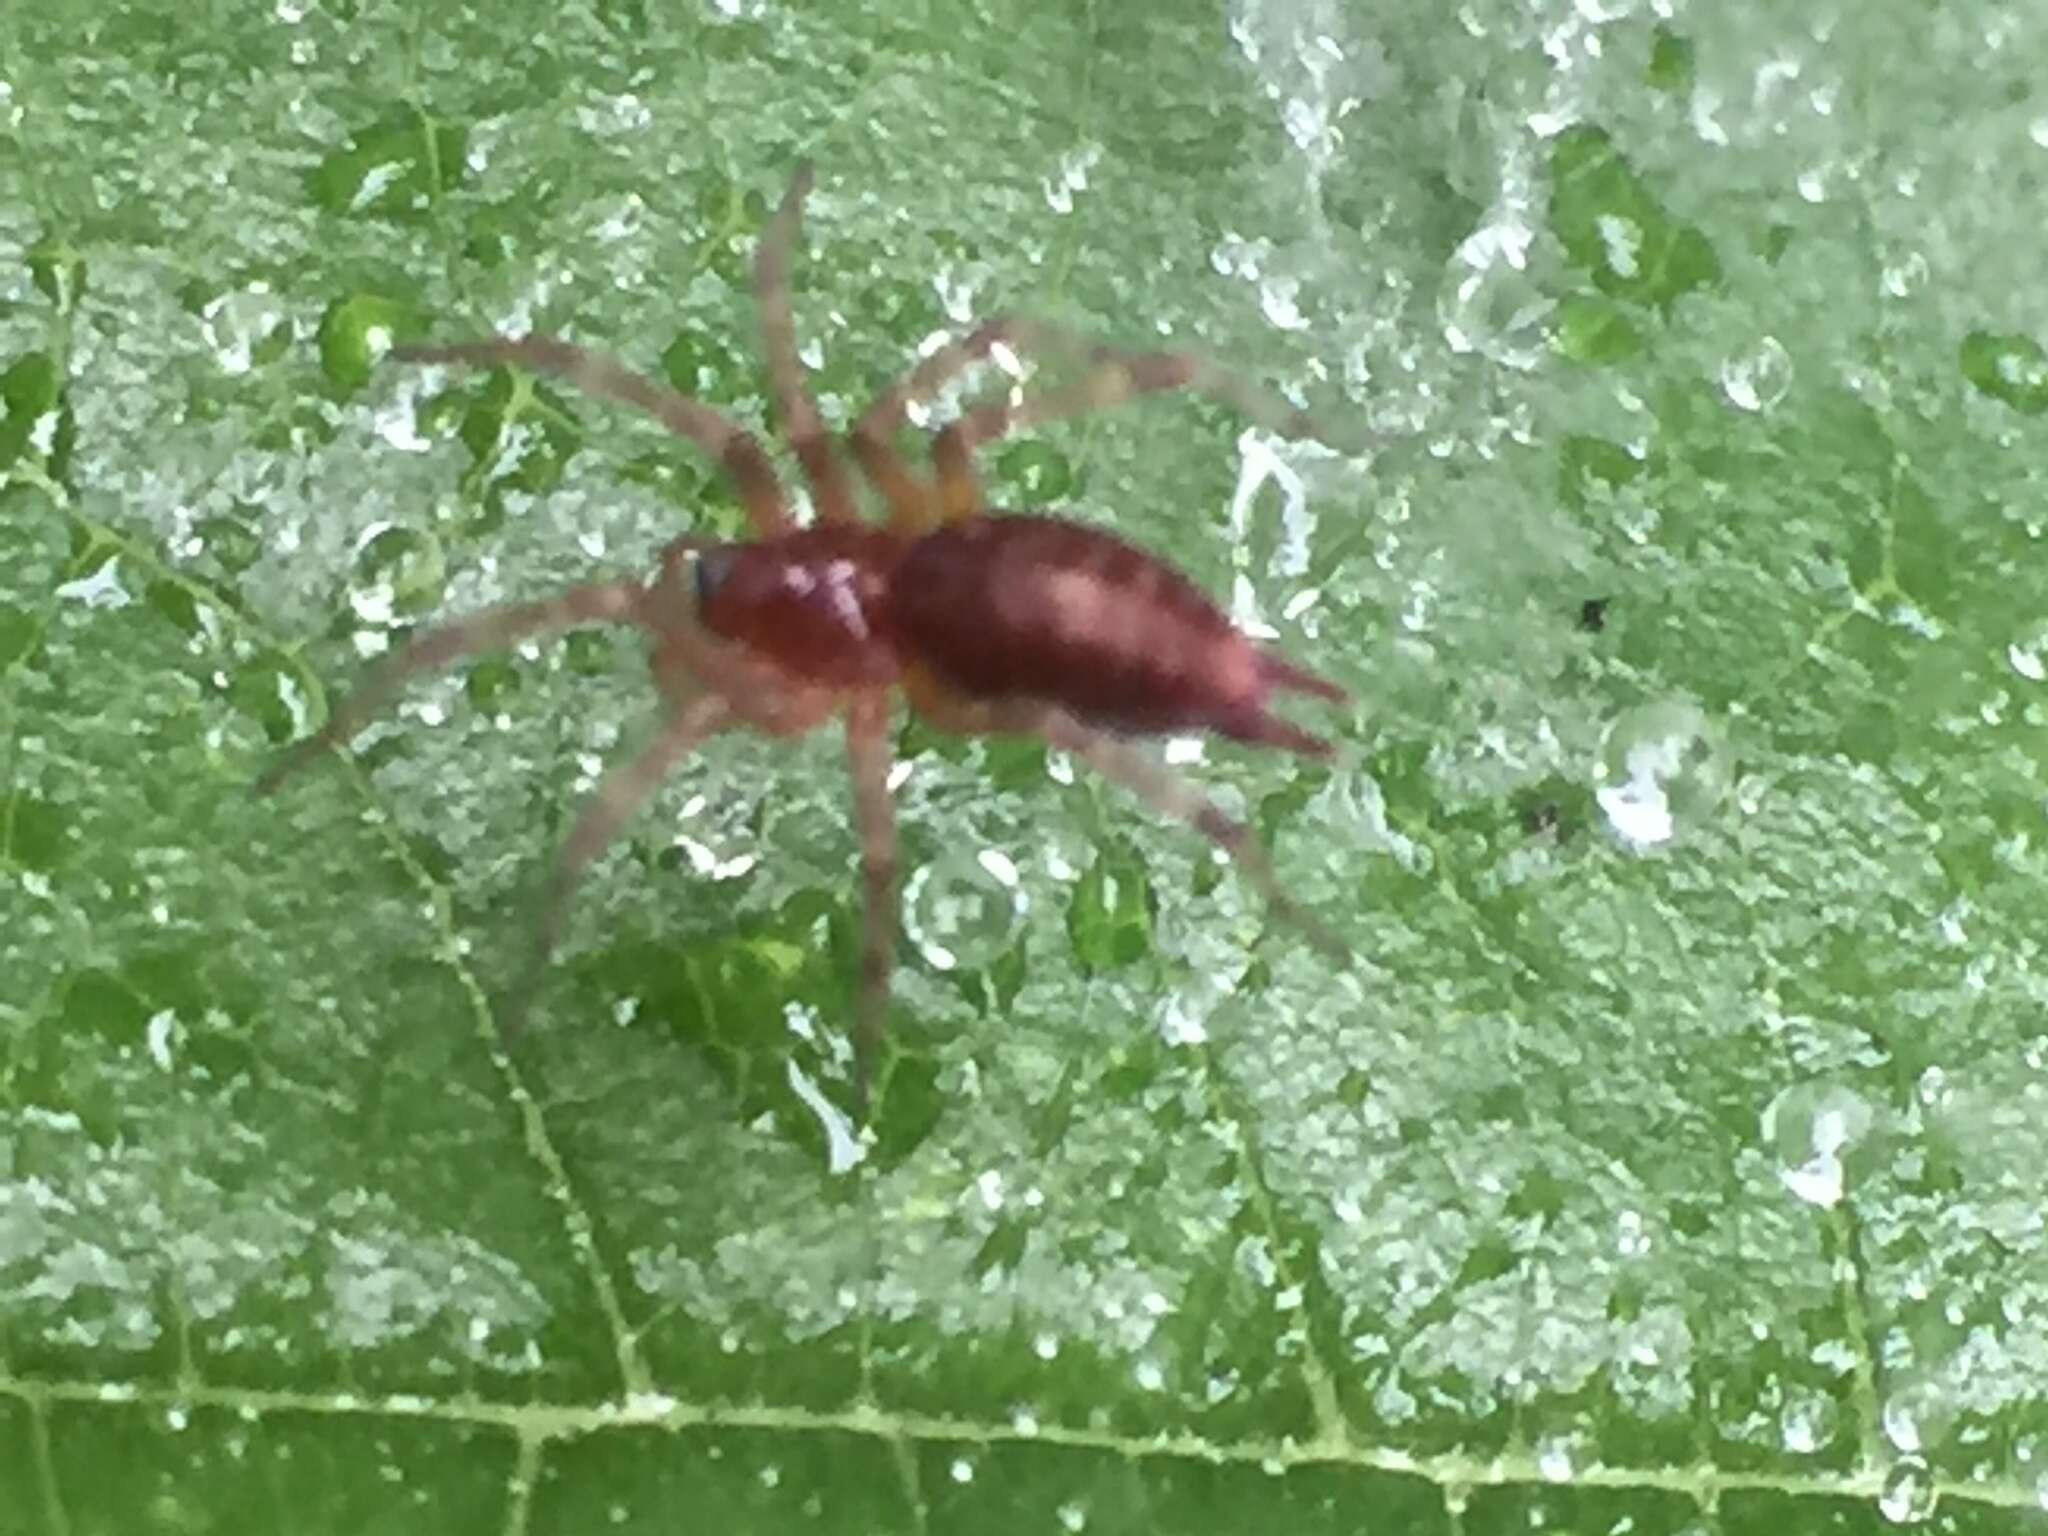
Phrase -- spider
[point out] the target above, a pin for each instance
(1017, 624)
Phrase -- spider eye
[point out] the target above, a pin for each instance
(713, 566)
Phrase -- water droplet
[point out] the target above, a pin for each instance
(1905, 274)
(99, 588)
(1662, 766)
(1760, 378)
(2029, 654)
(963, 909)
(1184, 1017)
(1808, 1128)
(399, 574)
(1491, 304)
(1621, 241)
(1809, 1422)
(1557, 1458)
(1072, 177)
(1916, 1415)
(714, 837)
(1280, 303)
(1908, 1494)
(237, 325)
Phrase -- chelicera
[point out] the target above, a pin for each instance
(1019, 624)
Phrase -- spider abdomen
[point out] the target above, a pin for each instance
(1039, 608)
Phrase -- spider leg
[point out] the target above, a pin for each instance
(492, 630)
(867, 746)
(626, 786)
(605, 377)
(913, 505)
(793, 402)
(1169, 794)
(1166, 792)
(1111, 376)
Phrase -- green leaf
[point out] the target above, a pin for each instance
(1665, 1157)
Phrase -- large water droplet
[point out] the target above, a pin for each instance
(1916, 1415)
(1908, 1494)
(1809, 1422)
(1183, 1018)
(1491, 304)
(1758, 379)
(1809, 1128)
(1662, 769)
(962, 909)
(399, 574)
(242, 327)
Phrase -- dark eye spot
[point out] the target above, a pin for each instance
(713, 566)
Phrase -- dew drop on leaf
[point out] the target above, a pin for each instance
(1905, 274)
(1915, 1416)
(1908, 1494)
(2028, 655)
(1758, 379)
(1183, 1016)
(962, 909)
(1492, 304)
(1662, 770)
(399, 574)
(1557, 1458)
(242, 327)
(1808, 1129)
(1809, 1422)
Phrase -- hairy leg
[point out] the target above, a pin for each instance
(626, 786)
(1111, 376)
(793, 402)
(494, 629)
(1169, 794)
(608, 379)
(1166, 792)
(913, 504)
(867, 746)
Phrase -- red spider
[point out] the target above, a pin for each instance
(1028, 624)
